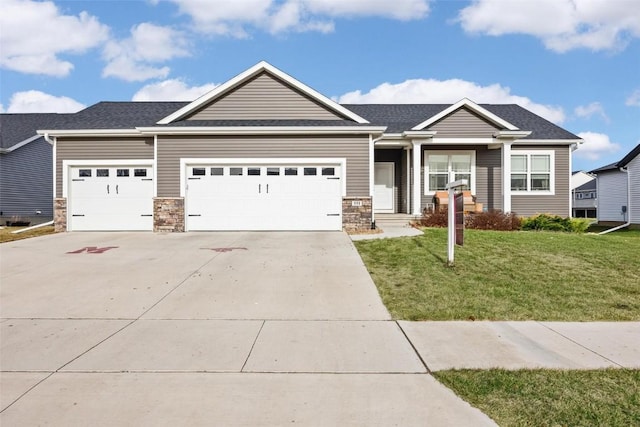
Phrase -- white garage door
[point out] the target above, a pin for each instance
(111, 198)
(264, 197)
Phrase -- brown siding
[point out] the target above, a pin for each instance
(558, 204)
(264, 98)
(354, 148)
(463, 124)
(100, 149)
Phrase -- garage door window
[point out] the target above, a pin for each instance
(199, 171)
(328, 171)
(102, 172)
(123, 172)
(291, 171)
(235, 171)
(273, 171)
(217, 171)
(253, 171)
(84, 173)
(140, 172)
(310, 171)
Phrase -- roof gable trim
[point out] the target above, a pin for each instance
(465, 102)
(20, 144)
(260, 67)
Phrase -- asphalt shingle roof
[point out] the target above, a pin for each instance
(15, 128)
(396, 117)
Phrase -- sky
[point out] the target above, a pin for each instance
(573, 62)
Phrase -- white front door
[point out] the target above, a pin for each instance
(111, 198)
(384, 183)
(264, 197)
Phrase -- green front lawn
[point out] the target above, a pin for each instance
(508, 276)
(608, 397)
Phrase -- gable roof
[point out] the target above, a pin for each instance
(465, 103)
(622, 163)
(17, 130)
(261, 67)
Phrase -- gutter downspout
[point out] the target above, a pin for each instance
(628, 223)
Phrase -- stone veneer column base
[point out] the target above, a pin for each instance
(168, 214)
(60, 214)
(356, 213)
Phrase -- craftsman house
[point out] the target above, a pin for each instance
(264, 151)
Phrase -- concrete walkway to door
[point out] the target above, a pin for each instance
(206, 329)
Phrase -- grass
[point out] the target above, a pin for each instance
(6, 234)
(508, 276)
(608, 397)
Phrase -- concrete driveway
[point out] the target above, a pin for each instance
(206, 329)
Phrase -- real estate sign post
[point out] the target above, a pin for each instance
(452, 218)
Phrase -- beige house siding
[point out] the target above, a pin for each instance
(264, 98)
(354, 148)
(557, 204)
(463, 124)
(100, 149)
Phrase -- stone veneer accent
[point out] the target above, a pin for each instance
(60, 214)
(168, 214)
(356, 218)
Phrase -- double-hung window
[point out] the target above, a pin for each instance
(532, 172)
(443, 167)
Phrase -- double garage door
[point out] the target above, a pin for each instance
(288, 196)
(264, 197)
(110, 198)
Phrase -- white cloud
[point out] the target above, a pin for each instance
(34, 101)
(562, 25)
(634, 99)
(431, 91)
(35, 34)
(134, 58)
(237, 18)
(586, 111)
(595, 146)
(172, 90)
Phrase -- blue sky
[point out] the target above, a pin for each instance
(574, 62)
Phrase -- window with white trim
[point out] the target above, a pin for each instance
(443, 167)
(532, 172)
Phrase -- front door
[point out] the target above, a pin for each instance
(384, 183)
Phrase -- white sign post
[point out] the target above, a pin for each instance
(452, 217)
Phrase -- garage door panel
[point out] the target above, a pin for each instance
(111, 198)
(279, 198)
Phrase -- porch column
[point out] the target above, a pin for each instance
(506, 177)
(408, 183)
(417, 176)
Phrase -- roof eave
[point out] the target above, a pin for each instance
(262, 130)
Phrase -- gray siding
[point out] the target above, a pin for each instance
(100, 149)
(463, 124)
(558, 204)
(26, 182)
(399, 190)
(354, 148)
(612, 195)
(634, 175)
(488, 175)
(264, 98)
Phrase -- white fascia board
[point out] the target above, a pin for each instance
(246, 75)
(416, 134)
(511, 134)
(262, 130)
(20, 144)
(89, 132)
(547, 141)
(465, 102)
(460, 141)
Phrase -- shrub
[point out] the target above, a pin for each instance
(554, 223)
(490, 220)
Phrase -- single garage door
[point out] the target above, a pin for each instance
(111, 198)
(264, 197)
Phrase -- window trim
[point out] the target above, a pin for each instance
(427, 191)
(552, 173)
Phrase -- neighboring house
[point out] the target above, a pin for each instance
(619, 190)
(585, 196)
(264, 151)
(26, 168)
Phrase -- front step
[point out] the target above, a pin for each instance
(393, 220)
